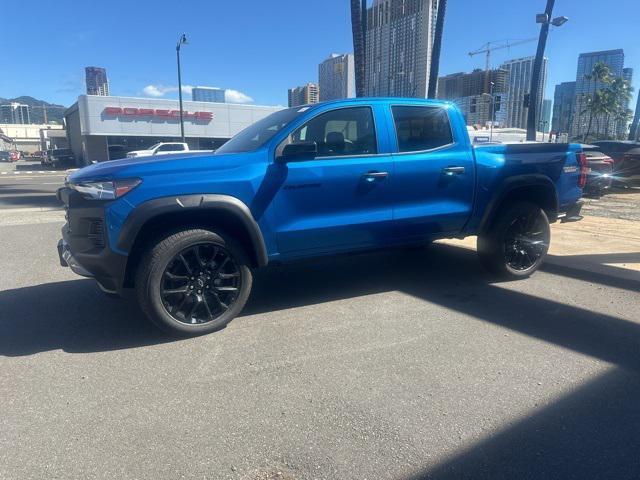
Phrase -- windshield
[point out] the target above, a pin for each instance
(152, 147)
(259, 133)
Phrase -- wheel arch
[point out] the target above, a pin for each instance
(163, 215)
(534, 188)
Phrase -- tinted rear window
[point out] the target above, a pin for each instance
(421, 128)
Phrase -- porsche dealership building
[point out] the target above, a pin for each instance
(103, 128)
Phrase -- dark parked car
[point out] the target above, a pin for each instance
(5, 156)
(626, 155)
(600, 173)
(59, 157)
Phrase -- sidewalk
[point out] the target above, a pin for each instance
(600, 245)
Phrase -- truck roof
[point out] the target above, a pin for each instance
(404, 100)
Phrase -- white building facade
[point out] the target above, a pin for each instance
(104, 128)
(336, 77)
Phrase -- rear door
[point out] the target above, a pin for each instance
(339, 198)
(434, 177)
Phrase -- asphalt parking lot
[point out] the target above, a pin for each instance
(407, 364)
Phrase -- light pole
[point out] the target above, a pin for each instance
(543, 127)
(493, 111)
(182, 40)
(545, 20)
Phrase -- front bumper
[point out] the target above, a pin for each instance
(67, 259)
(84, 246)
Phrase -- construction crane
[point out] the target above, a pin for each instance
(489, 47)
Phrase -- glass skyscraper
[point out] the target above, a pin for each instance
(518, 90)
(586, 86)
(563, 103)
(96, 81)
(398, 44)
(336, 77)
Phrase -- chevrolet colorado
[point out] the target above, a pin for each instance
(185, 233)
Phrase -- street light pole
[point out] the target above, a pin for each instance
(493, 110)
(181, 40)
(537, 67)
(545, 20)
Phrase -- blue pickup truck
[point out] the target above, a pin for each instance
(186, 232)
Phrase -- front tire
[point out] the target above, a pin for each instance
(517, 242)
(193, 282)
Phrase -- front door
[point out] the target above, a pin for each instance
(339, 197)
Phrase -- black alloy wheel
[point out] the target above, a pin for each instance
(516, 242)
(525, 241)
(200, 284)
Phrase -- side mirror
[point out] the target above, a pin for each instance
(298, 151)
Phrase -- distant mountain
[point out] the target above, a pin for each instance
(55, 113)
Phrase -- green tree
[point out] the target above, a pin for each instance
(596, 103)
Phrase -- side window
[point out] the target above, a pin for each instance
(171, 148)
(341, 132)
(421, 128)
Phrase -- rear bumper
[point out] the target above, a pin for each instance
(571, 213)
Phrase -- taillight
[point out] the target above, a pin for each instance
(582, 162)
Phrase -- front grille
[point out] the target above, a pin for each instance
(96, 232)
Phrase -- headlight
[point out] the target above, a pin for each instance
(108, 190)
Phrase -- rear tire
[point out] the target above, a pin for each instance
(193, 282)
(517, 241)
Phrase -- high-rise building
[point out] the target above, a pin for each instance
(587, 86)
(336, 77)
(96, 80)
(545, 116)
(477, 82)
(472, 92)
(520, 72)
(398, 44)
(563, 103)
(634, 132)
(208, 94)
(15, 113)
(304, 95)
(622, 129)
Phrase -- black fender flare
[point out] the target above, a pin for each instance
(511, 184)
(212, 202)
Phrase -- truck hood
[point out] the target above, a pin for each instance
(163, 164)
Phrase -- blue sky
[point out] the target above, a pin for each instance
(260, 48)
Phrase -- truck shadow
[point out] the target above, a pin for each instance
(76, 317)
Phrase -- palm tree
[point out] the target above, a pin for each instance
(434, 68)
(597, 105)
(358, 28)
(596, 102)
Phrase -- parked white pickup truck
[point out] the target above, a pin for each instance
(164, 148)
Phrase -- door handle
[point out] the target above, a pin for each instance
(450, 171)
(373, 176)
